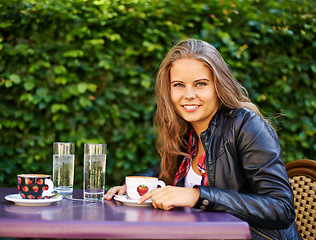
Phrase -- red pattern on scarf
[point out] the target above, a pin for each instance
(185, 164)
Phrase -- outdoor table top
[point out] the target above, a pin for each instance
(111, 219)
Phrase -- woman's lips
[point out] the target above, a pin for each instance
(190, 108)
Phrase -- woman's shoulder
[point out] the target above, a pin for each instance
(241, 114)
(244, 113)
(239, 119)
(244, 119)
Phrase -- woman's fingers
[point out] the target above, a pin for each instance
(120, 190)
(168, 197)
(164, 203)
(148, 195)
(159, 198)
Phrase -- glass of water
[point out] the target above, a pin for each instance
(94, 171)
(63, 168)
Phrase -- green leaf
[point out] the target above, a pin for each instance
(26, 97)
(61, 80)
(92, 87)
(96, 41)
(60, 70)
(29, 86)
(73, 53)
(85, 102)
(15, 78)
(8, 84)
(59, 108)
(82, 87)
(42, 92)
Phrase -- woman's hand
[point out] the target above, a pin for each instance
(168, 197)
(120, 190)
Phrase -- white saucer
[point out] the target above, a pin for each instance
(125, 200)
(17, 199)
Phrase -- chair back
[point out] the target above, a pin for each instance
(302, 177)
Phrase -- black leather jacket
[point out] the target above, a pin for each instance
(246, 174)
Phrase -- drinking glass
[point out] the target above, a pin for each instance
(94, 171)
(63, 168)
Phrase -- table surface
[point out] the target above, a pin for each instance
(111, 219)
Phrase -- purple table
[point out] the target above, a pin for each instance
(110, 219)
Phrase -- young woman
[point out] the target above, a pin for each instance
(217, 151)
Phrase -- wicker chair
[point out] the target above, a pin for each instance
(302, 176)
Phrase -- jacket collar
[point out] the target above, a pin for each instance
(216, 120)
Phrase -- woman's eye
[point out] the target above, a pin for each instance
(178, 85)
(201, 84)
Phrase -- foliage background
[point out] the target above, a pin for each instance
(83, 71)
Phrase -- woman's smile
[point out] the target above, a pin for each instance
(190, 108)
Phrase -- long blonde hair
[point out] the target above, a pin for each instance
(170, 127)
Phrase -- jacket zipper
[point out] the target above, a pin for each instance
(207, 165)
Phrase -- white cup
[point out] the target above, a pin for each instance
(137, 186)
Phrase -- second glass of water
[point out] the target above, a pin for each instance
(63, 168)
(94, 171)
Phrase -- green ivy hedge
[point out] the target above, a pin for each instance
(83, 71)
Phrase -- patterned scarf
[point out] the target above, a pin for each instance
(185, 164)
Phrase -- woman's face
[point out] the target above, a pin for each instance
(193, 93)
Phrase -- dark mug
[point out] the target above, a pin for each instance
(35, 186)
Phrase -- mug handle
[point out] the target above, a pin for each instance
(161, 183)
(50, 189)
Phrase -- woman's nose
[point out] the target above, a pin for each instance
(189, 94)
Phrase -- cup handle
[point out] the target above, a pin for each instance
(50, 189)
(161, 183)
